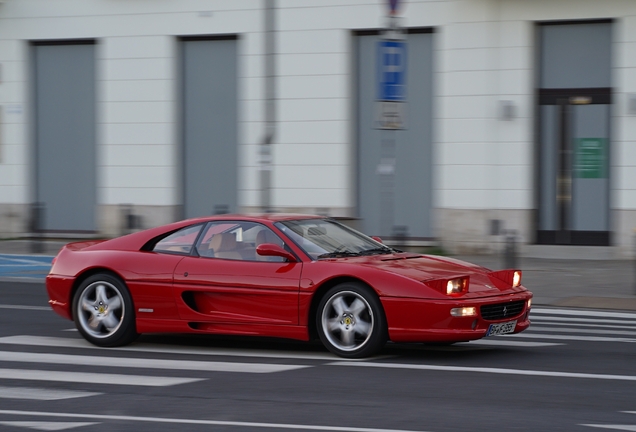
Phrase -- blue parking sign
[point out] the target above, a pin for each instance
(391, 70)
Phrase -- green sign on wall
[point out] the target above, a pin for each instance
(590, 158)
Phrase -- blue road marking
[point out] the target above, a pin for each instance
(25, 266)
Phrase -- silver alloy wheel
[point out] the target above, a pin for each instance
(101, 309)
(347, 321)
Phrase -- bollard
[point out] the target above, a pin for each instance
(510, 250)
(36, 226)
(126, 218)
(129, 220)
(221, 209)
(400, 234)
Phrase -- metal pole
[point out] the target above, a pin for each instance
(386, 172)
(510, 250)
(392, 95)
(265, 153)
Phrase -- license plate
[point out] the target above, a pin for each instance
(501, 328)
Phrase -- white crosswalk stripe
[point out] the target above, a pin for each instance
(67, 342)
(42, 394)
(551, 327)
(46, 426)
(143, 363)
(621, 427)
(93, 378)
(562, 325)
(99, 369)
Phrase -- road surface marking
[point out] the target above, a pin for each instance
(146, 348)
(584, 330)
(582, 313)
(24, 307)
(94, 378)
(536, 324)
(486, 370)
(25, 261)
(568, 337)
(141, 363)
(46, 426)
(541, 319)
(26, 257)
(198, 422)
(505, 343)
(612, 426)
(42, 393)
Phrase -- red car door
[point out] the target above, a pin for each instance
(235, 291)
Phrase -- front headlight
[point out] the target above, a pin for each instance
(452, 287)
(456, 286)
(511, 277)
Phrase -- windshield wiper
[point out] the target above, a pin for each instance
(377, 251)
(338, 254)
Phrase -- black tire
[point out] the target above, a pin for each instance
(350, 321)
(103, 311)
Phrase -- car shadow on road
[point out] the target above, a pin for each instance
(264, 346)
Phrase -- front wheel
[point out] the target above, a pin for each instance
(350, 321)
(103, 311)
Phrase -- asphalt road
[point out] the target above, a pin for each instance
(572, 371)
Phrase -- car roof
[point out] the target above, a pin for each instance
(257, 217)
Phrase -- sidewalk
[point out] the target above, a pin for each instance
(599, 284)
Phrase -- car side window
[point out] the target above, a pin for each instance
(181, 241)
(237, 241)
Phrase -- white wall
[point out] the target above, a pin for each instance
(484, 54)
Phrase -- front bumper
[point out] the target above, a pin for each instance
(425, 320)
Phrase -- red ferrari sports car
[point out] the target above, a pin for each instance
(288, 276)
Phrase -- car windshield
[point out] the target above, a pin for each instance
(326, 238)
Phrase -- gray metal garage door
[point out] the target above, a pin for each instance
(412, 188)
(209, 78)
(63, 77)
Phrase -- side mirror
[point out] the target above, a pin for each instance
(378, 239)
(271, 249)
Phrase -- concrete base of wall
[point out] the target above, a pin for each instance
(113, 220)
(624, 232)
(462, 232)
(336, 212)
(468, 232)
(14, 220)
(571, 252)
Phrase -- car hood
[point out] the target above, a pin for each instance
(425, 268)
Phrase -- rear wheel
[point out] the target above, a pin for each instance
(103, 311)
(350, 321)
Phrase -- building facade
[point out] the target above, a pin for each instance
(520, 117)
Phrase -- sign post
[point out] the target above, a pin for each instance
(390, 109)
(391, 74)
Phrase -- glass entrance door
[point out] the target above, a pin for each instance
(574, 170)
